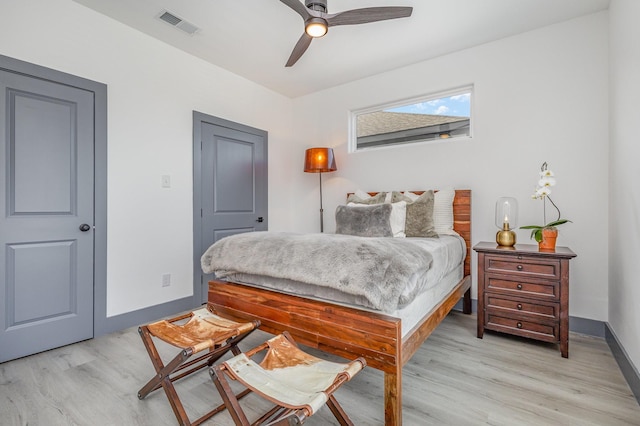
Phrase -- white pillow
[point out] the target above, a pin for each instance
(398, 217)
(443, 211)
(361, 194)
(411, 195)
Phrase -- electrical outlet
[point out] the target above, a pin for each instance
(166, 280)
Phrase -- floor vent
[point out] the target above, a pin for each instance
(177, 22)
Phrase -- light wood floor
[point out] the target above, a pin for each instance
(454, 379)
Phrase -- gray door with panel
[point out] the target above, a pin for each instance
(232, 187)
(46, 215)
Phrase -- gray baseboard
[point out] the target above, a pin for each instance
(586, 326)
(143, 316)
(629, 371)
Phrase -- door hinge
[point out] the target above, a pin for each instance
(201, 214)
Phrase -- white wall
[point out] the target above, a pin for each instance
(624, 229)
(152, 90)
(539, 96)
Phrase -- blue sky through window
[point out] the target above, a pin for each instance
(456, 105)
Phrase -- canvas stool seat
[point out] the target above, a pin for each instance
(203, 337)
(298, 383)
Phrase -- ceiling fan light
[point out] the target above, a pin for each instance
(316, 27)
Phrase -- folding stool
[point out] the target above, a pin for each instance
(200, 331)
(297, 382)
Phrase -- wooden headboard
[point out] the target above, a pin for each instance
(461, 220)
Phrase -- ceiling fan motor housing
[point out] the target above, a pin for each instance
(317, 5)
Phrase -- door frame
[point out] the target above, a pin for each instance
(99, 91)
(198, 119)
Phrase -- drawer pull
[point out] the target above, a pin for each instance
(519, 286)
(519, 325)
(519, 267)
(519, 306)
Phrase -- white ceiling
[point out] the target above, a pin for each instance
(254, 38)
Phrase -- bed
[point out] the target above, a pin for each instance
(349, 331)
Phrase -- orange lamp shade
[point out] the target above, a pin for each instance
(319, 160)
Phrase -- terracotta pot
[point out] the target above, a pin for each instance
(548, 242)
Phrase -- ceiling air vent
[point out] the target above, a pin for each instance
(177, 22)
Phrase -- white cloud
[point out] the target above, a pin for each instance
(462, 98)
(443, 109)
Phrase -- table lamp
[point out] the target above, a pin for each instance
(506, 221)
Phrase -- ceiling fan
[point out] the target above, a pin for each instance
(317, 21)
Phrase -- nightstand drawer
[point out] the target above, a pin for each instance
(547, 290)
(523, 308)
(523, 265)
(532, 329)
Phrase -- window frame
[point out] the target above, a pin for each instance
(355, 113)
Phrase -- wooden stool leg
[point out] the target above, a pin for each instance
(338, 412)
(228, 396)
(174, 400)
(162, 371)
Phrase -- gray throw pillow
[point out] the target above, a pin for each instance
(419, 222)
(364, 220)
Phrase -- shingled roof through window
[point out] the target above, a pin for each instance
(381, 122)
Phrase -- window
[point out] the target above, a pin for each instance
(439, 116)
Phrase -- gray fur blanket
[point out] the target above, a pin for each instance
(375, 268)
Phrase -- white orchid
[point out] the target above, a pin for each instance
(545, 172)
(547, 181)
(542, 191)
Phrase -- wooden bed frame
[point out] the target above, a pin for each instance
(346, 331)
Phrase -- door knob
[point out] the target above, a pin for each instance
(260, 219)
(85, 227)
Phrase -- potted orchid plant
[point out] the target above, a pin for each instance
(546, 234)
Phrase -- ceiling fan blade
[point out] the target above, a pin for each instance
(368, 14)
(301, 46)
(298, 7)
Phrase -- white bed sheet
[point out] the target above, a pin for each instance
(425, 301)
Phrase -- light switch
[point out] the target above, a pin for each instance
(166, 181)
(166, 280)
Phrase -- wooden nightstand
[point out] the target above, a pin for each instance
(525, 292)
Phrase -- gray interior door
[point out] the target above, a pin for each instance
(233, 184)
(46, 215)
